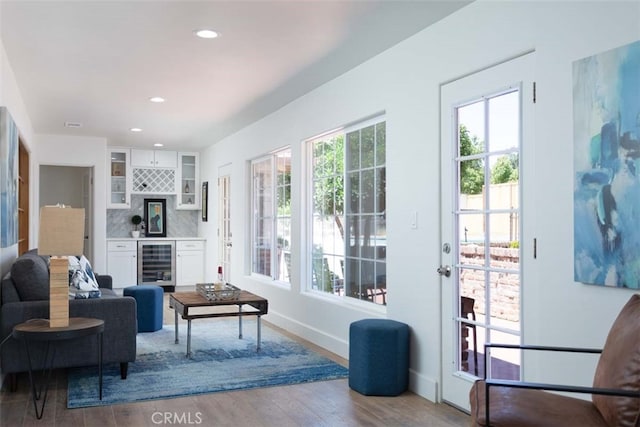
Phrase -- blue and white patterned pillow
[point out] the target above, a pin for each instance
(82, 280)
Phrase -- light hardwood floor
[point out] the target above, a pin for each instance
(323, 403)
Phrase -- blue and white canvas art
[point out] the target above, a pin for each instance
(8, 180)
(606, 120)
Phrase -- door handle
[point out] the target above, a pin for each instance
(444, 270)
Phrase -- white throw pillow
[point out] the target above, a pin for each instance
(82, 278)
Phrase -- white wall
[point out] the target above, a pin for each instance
(405, 82)
(61, 184)
(66, 150)
(11, 98)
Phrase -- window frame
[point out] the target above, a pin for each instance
(308, 284)
(274, 219)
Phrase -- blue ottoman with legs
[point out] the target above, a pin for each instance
(149, 305)
(379, 357)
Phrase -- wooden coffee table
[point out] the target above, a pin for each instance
(192, 305)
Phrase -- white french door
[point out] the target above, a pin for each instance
(224, 222)
(486, 134)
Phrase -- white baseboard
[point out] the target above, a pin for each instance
(329, 342)
(423, 386)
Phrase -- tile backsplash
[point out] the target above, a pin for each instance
(180, 223)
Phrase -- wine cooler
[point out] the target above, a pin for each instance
(157, 263)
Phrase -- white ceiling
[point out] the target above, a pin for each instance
(98, 62)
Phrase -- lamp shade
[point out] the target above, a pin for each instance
(61, 234)
(61, 231)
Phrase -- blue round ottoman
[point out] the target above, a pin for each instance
(149, 305)
(379, 357)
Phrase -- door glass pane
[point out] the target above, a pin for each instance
(470, 344)
(503, 168)
(471, 174)
(504, 122)
(472, 284)
(505, 363)
(504, 231)
(471, 230)
(471, 117)
(488, 224)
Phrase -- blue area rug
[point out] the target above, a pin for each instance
(220, 362)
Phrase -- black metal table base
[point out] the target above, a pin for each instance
(39, 330)
(45, 375)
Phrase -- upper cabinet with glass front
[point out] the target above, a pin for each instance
(119, 184)
(188, 190)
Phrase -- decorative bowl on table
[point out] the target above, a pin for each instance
(218, 291)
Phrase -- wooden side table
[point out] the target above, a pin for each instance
(39, 330)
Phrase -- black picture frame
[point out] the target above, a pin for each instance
(205, 201)
(155, 214)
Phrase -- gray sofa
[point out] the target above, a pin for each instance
(24, 295)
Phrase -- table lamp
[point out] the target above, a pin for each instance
(61, 234)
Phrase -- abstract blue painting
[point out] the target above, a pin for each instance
(606, 125)
(8, 180)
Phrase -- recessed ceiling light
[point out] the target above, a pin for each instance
(157, 144)
(206, 34)
(157, 99)
(135, 130)
(72, 125)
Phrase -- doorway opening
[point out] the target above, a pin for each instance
(70, 186)
(23, 197)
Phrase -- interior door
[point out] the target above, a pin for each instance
(224, 222)
(486, 128)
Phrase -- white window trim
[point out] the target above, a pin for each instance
(307, 211)
(272, 280)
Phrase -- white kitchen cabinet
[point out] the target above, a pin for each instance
(188, 182)
(189, 262)
(153, 159)
(122, 262)
(119, 184)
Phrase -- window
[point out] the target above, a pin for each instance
(348, 224)
(271, 203)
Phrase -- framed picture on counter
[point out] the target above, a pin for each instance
(155, 212)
